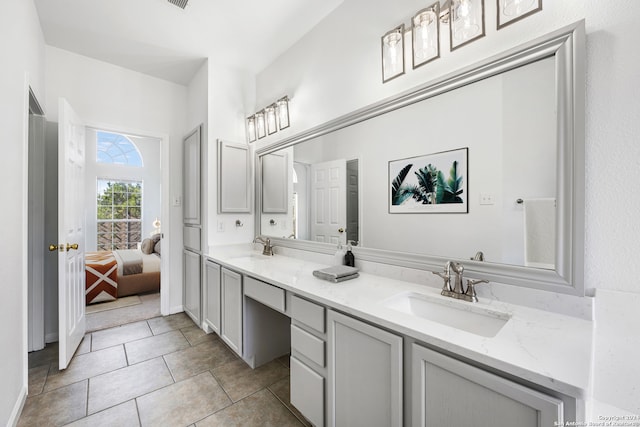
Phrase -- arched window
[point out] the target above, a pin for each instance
(117, 149)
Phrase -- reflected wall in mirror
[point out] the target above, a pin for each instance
(521, 116)
(508, 123)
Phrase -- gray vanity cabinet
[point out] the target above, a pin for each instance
(231, 309)
(212, 291)
(364, 374)
(191, 262)
(446, 391)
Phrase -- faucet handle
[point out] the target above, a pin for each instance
(447, 280)
(471, 288)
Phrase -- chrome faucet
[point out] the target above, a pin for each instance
(457, 291)
(268, 247)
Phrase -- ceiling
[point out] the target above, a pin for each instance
(157, 38)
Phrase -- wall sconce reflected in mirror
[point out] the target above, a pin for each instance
(510, 11)
(425, 27)
(251, 128)
(466, 22)
(260, 125)
(283, 112)
(393, 54)
(270, 119)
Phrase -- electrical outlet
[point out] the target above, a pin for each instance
(220, 226)
(486, 199)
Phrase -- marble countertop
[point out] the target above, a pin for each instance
(548, 349)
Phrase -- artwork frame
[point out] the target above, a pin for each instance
(430, 183)
(503, 15)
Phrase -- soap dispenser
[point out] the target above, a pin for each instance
(339, 256)
(349, 259)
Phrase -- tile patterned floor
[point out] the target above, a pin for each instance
(163, 371)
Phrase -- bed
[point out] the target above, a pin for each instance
(120, 273)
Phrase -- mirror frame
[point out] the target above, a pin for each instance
(567, 45)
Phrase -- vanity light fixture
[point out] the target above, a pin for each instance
(510, 11)
(251, 128)
(260, 125)
(466, 22)
(425, 27)
(270, 119)
(283, 112)
(393, 54)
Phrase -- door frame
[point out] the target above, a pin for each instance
(165, 259)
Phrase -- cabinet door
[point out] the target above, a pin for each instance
(231, 325)
(446, 391)
(365, 374)
(192, 285)
(234, 178)
(191, 176)
(212, 295)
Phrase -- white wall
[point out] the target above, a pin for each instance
(231, 94)
(335, 69)
(118, 99)
(510, 139)
(149, 174)
(22, 53)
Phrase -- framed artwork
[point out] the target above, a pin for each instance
(466, 22)
(510, 11)
(431, 183)
(393, 54)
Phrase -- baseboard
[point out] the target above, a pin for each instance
(52, 337)
(17, 408)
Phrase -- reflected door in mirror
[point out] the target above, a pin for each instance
(329, 193)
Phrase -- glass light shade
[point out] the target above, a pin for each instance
(466, 21)
(270, 118)
(260, 125)
(516, 7)
(426, 35)
(393, 53)
(283, 112)
(251, 128)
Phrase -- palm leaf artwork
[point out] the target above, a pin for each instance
(398, 193)
(453, 186)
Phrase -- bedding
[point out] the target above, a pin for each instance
(110, 275)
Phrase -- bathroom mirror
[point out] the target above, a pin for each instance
(516, 119)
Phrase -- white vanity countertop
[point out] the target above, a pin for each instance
(545, 348)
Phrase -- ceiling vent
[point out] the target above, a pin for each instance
(180, 3)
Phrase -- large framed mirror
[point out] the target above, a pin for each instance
(382, 176)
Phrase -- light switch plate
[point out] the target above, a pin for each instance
(486, 199)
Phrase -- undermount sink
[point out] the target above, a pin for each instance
(469, 318)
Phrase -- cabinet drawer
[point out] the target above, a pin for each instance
(307, 345)
(265, 293)
(191, 236)
(307, 392)
(312, 315)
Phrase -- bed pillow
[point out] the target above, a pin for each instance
(156, 248)
(147, 246)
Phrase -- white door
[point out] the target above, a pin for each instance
(71, 229)
(328, 201)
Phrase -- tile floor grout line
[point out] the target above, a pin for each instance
(285, 405)
(220, 384)
(168, 368)
(86, 409)
(126, 356)
(135, 402)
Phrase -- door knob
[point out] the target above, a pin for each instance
(72, 246)
(340, 230)
(53, 248)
